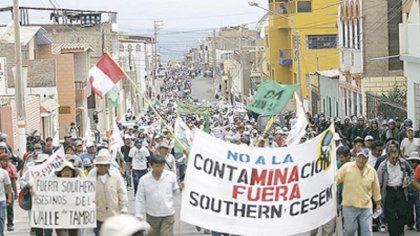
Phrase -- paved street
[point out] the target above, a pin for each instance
(203, 88)
(181, 228)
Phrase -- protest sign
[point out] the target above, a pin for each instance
(241, 190)
(63, 203)
(271, 97)
(52, 164)
(185, 107)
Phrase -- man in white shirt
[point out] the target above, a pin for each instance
(139, 156)
(155, 198)
(410, 144)
(5, 196)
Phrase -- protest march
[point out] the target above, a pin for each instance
(262, 172)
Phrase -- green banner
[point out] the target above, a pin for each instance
(185, 107)
(271, 97)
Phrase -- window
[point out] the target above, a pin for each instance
(138, 48)
(121, 48)
(304, 6)
(130, 48)
(321, 41)
(281, 8)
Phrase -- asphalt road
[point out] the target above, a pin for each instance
(203, 88)
(180, 228)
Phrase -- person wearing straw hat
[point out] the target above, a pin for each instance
(170, 163)
(111, 193)
(25, 182)
(67, 170)
(154, 200)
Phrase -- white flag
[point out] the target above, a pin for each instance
(297, 131)
(88, 133)
(116, 140)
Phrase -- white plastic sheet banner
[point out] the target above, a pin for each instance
(52, 164)
(241, 190)
(63, 203)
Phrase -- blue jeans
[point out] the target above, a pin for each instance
(137, 174)
(357, 217)
(2, 216)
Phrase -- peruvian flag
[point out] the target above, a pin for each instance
(104, 75)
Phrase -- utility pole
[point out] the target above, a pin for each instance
(19, 83)
(297, 55)
(157, 26)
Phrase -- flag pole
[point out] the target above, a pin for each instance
(148, 103)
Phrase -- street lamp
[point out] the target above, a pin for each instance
(255, 4)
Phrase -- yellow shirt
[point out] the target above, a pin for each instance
(359, 186)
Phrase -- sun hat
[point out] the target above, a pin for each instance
(103, 158)
(67, 164)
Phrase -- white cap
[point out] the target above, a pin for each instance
(90, 144)
(337, 137)
(123, 225)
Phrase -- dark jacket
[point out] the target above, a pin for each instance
(383, 176)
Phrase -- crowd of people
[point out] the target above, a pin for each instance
(377, 161)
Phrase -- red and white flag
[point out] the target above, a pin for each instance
(104, 75)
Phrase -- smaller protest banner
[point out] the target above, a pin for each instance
(184, 107)
(52, 164)
(63, 203)
(271, 97)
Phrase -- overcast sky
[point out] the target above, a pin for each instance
(134, 14)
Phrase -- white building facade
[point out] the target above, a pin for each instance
(410, 55)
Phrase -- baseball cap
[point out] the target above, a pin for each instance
(90, 144)
(3, 145)
(337, 137)
(364, 152)
(369, 138)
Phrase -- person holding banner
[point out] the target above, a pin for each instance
(361, 184)
(26, 182)
(67, 170)
(154, 200)
(111, 193)
(5, 197)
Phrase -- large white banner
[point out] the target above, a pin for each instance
(260, 191)
(52, 164)
(63, 203)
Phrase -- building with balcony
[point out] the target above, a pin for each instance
(307, 25)
(410, 54)
(369, 51)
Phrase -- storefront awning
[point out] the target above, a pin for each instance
(50, 105)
